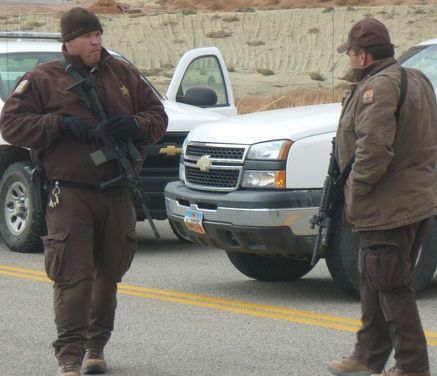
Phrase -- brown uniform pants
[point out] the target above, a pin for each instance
(390, 319)
(89, 247)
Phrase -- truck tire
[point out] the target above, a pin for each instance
(269, 268)
(342, 258)
(21, 224)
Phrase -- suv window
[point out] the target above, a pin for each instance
(14, 65)
(423, 58)
(203, 67)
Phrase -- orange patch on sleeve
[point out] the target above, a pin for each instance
(368, 96)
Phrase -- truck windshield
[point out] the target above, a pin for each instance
(14, 65)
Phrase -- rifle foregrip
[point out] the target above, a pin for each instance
(116, 182)
(326, 194)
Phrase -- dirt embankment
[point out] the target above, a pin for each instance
(281, 54)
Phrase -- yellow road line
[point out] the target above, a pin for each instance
(236, 303)
(229, 305)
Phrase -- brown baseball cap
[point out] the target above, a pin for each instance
(78, 21)
(366, 33)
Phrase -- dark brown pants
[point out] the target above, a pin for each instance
(390, 319)
(89, 247)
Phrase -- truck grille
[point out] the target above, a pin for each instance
(224, 166)
(213, 178)
(215, 152)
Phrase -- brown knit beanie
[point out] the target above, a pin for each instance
(78, 21)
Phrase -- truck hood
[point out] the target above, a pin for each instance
(288, 123)
(184, 117)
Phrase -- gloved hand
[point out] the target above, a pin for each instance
(76, 127)
(122, 126)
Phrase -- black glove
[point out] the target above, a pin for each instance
(76, 127)
(122, 126)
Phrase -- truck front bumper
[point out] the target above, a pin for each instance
(262, 222)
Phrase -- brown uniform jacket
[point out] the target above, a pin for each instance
(30, 116)
(393, 181)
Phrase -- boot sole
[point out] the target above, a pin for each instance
(94, 370)
(355, 373)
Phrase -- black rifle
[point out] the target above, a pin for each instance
(113, 150)
(332, 195)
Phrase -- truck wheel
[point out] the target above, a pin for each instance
(269, 268)
(21, 224)
(342, 258)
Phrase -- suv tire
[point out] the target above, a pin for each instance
(342, 257)
(269, 268)
(21, 223)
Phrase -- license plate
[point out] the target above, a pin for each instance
(193, 220)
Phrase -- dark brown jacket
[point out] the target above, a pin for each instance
(30, 116)
(394, 178)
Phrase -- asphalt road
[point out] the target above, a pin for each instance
(185, 311)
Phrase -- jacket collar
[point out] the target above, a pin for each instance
(359, 75)
(378, 66)
(81, 68)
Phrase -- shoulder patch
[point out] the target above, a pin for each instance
(368, 96)
(21, 87)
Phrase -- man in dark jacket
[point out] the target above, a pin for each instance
(390, 196)
(91, 232)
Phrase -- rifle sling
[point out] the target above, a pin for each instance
(404, 86)
(84, 95)
(341, 180)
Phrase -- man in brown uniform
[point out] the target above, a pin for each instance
(390, 195)
(91, 232)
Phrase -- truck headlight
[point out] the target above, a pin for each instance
(181, 171)
(184, 146)
(181, 160)
(263, 179)
(270, 150)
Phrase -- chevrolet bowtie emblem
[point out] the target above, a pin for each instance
(170, 150)
(204, 163)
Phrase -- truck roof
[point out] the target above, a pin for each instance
(29, 42)
(427, 42)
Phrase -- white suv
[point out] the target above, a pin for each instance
(200, 91)
(250, 184)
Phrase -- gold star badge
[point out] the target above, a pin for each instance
(368, 96)
(125, 90)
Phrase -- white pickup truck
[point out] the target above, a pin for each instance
(250, 184)
(200, 91)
